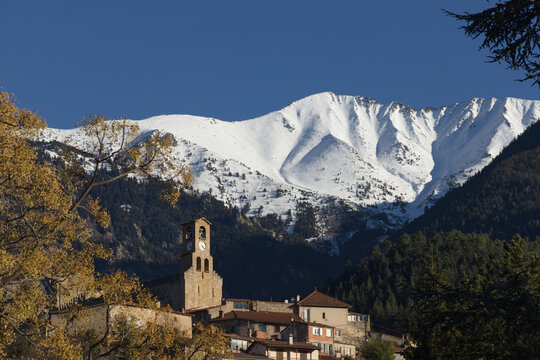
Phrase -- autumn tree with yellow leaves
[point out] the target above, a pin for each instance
(45, 244)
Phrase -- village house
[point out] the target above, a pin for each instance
(357, 329)
(325, 336)
(350, 329)
(284, 350)
(258, 324)
(228, 305)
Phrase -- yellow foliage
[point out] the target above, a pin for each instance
(60, 346)
(46, 249)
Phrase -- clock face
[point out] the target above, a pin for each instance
(202, 245)
(189, 246)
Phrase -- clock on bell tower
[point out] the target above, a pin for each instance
(202, 286)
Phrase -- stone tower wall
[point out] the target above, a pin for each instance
(202, 289)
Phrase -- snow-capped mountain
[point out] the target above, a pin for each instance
(335, 151)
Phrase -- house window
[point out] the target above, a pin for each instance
(198, 264)
(328, 332)
(213, 292)
(306, 314)
(262, 327)
(240, 305)
(237, 344)
(206, 265)
(324, 315)
(327, 348)
(276, 328)
(317, 331)
(348, 351)
(198, 289)
(337, 333)
(338, 348)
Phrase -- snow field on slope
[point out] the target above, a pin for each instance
(351, 148)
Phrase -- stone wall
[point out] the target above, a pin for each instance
(95, 317)
(202, 289)
(356, 332)
(272, 306)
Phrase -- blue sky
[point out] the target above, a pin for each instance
(235, 60)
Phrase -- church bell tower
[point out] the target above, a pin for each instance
(201, 285)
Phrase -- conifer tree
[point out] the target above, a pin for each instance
(511, 31)
(493, 313)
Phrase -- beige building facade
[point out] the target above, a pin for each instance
(284, 350)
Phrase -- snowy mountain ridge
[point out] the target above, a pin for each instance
(330, 149)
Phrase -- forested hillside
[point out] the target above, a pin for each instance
(502, 200)
(381, 283)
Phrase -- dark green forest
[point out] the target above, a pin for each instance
(382, 284)
(501, 200)
(469, 226)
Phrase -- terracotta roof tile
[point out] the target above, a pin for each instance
(201, 218)
(285, 344)
(260, 316)
(355, 313)
(244, 356)
(317, 298)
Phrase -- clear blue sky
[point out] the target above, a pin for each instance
(238, 59)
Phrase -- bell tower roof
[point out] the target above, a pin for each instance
(197, 220)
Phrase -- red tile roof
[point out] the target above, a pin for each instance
(313, 323)
(285, 344)
(317, 298)
(268, 317)
(355, 313)
(244, 356)
(201, 218)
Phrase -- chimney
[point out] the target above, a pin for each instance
(290, 339)
(297, 298)
(286, 301)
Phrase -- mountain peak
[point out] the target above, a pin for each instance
(329, 148)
